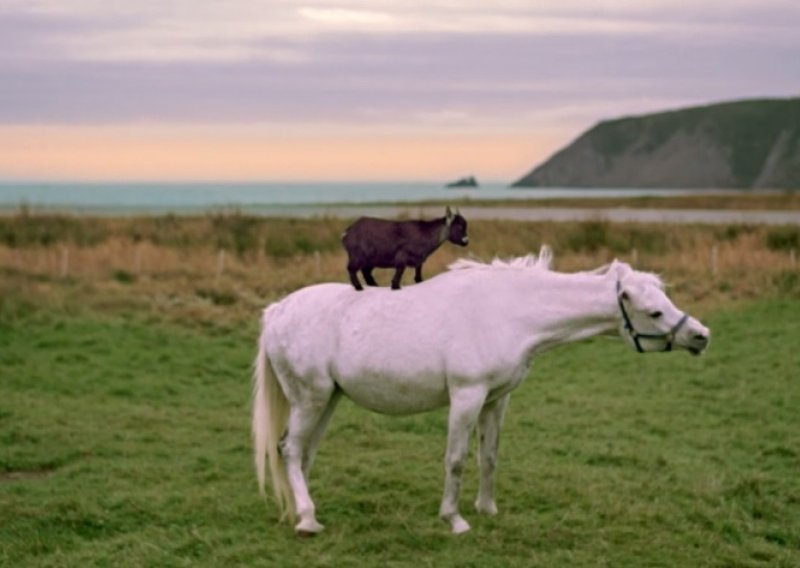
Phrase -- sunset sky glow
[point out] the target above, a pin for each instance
(360, 89)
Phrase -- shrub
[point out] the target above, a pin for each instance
(732, 232)
(44, 230)
(304, 245)
(124, 277)
(217, 297)
(787, 282)
(590, 236)
(783, 238)
(236, 232)
(278, 246)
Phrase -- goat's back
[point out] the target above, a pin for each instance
(381, 233)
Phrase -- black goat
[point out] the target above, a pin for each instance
(380, 243)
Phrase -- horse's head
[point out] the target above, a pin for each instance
(649, 321)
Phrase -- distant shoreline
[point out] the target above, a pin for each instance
(528, 213)
(403, 200)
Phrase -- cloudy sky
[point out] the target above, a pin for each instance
(360, 89)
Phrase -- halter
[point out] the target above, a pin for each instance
(635, 335)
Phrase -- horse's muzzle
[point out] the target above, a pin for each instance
(698, 342)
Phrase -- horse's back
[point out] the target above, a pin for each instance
(395, 351)
(299, 331)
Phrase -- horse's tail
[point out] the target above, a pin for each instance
(270, 417)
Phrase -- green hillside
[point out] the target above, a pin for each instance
(744, 144)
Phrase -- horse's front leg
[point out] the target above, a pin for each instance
(418, 273)
(465, 406)
(490, 422)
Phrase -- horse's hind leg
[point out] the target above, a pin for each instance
(465, 406)
(319, 431)
(490, 422)
(307, 410)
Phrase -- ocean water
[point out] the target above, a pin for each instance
(182, 197)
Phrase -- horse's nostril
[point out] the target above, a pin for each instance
(701, 337)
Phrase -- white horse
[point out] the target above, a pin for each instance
(465, 338)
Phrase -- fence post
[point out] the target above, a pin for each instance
(634, 257)
(317, 264)
(220, 263)
(714, 259)
(64, 262)
(792, 259)
(137, 260)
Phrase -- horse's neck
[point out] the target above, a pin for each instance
(569, 307)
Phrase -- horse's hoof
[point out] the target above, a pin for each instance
(307, 528)
(487, 509)
(459, 525)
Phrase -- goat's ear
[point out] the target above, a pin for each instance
(448, 217)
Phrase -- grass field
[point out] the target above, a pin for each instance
(124, 420)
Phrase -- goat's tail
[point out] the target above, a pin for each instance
(270, 417)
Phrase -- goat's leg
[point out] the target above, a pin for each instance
(367, 272)
(418, 273)
(398, 276)
(352, 270)
(465, 406)
(490, 422)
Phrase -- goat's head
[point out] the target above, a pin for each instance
(456, 228)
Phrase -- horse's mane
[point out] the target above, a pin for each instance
(542, 261)
(655, 279)
(640, 275)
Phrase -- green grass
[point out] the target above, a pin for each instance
(124, 441)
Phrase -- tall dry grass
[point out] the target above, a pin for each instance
(224, 267)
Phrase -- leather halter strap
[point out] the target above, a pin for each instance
(636, 336)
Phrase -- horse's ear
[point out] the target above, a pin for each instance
(619, 269)
(623, 292)
(447, 213)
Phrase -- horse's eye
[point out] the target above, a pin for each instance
(656, 315)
